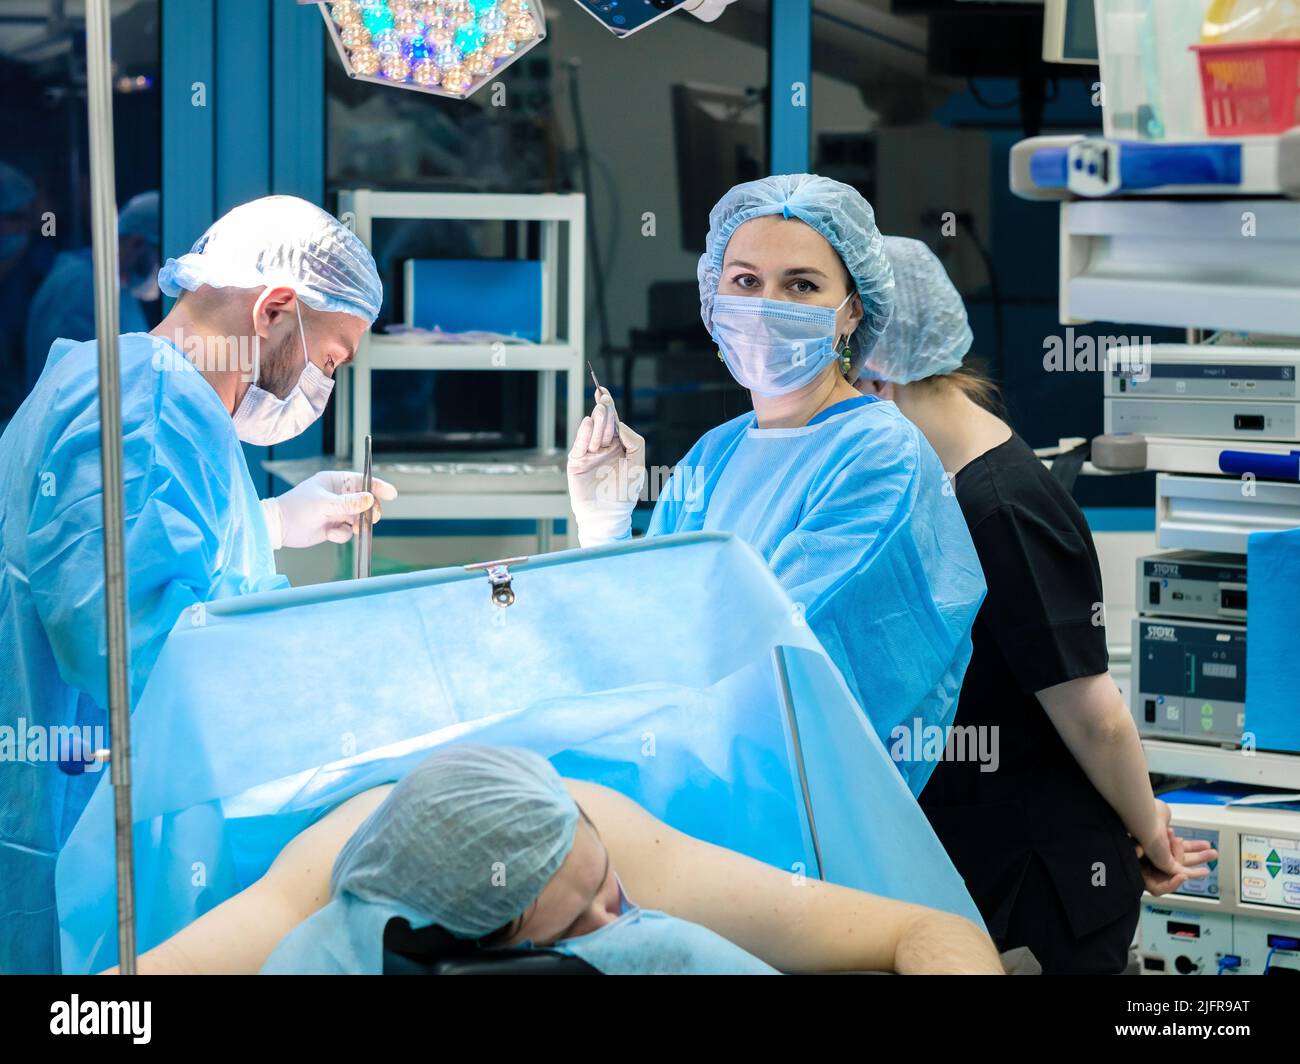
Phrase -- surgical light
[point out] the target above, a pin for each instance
(445, 47)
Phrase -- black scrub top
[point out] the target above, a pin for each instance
(1040, 625)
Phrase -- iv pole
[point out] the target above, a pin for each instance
(99, 74)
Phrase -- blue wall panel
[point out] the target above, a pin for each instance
(243, 116)
(243, 119)
(298, 101)
(188, 91)
(297, 149)
(790, 66)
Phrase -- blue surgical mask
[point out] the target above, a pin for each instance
(771, 346)
(645, 942)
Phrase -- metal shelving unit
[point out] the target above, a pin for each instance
(1200, 255)
(1205, 264)
(519, 484)
(1222, 763)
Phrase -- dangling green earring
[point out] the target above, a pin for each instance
(719, 353)
(846, 359)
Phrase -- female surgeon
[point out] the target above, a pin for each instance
(838, 491)
(1046, 841)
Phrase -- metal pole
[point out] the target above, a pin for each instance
(362, 547)
(99, 74)
(787, 703)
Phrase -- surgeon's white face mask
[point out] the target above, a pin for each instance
(265, 419)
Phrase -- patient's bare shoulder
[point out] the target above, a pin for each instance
(237, 936)
(666, 869)
(347, 816)
(301, 872)
(609, 810)
(647, 854)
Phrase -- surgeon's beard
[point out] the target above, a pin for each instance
(281, 367)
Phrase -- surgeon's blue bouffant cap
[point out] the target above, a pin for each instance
(282, 240)
(839, 213)
(467, 840)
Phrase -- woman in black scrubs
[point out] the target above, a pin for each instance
(1058, 834)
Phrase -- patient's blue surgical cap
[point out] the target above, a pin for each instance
(282, 240)
(930, 333)
(839, 213)
(466, 841)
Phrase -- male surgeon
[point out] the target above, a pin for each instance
(274, 297)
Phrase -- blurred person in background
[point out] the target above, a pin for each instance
(25, 259)
(63, 308)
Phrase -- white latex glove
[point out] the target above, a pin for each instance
(327, 506)
(606, 470)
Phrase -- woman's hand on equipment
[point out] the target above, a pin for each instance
(1169, 860)
(1156, 847)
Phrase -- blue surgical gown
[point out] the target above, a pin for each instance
(860, 525)
(194, 533)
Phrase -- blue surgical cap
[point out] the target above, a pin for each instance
(16, 189)
(466, 841)
(140, 218)
(930, 333)
(839, 213)
(282, 240)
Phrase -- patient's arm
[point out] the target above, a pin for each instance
(238, 936)
(794, 924)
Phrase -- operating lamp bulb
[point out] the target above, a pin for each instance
(425, 73)
(354, 35)
(396, 67)
(346, 13)
(365, 61)
(444, 47)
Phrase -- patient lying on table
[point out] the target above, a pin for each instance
(490, 844)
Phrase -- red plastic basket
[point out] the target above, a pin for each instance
(1250, 86)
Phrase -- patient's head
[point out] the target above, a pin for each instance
(487, 843)
(581, 897)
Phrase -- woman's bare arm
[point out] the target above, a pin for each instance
(238, 936)
(792, 923)
(1095, 724)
